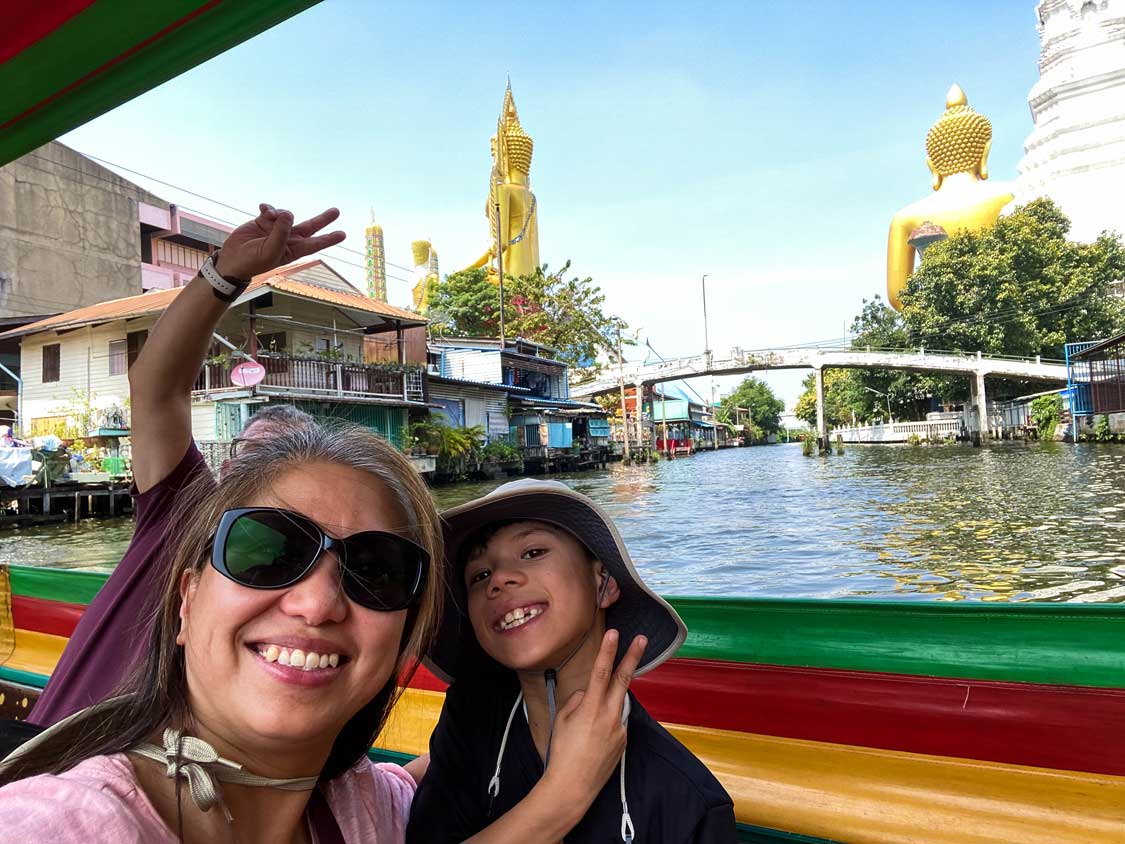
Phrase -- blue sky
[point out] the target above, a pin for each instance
(767, 144)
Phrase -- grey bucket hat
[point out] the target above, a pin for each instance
(638, 610)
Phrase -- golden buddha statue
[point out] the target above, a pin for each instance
(425, 273)
(512, 214)
(957, 147)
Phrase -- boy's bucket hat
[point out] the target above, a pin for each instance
(638, 609)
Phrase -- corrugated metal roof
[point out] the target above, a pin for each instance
(157, 300)
(1104, 344)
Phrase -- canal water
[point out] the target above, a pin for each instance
(1041, 521)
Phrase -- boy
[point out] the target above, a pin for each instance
(537, 574)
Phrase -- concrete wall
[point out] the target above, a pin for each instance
(69, 233)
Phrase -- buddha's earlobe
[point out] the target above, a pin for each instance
(983, 171)
(936, 174)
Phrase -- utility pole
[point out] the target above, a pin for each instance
(500, 270)
(663, 417)
(707, 358)
(621, 383)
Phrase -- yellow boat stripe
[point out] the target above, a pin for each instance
(36, 652)
(868, 796)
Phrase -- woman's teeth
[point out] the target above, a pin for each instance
(297, 658)
(519, 617)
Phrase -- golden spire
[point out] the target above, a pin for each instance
(514, 146)
(960, 139)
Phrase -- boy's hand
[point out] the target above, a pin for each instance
(271, 240)
(589, 737)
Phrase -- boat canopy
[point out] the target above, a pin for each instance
(66, 62)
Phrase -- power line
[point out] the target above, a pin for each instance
(208, 214)
(215, 201)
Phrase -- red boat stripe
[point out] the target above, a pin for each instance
(1068, 727)
(43, 616)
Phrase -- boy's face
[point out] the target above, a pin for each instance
(532, 591)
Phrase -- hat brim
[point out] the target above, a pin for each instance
(638, 610)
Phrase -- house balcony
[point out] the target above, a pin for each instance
(316, 378)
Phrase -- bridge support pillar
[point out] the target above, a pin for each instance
(979, 400)
(821, 416)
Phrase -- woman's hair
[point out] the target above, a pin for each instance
(155, 693)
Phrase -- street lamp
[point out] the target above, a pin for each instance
(884, 395)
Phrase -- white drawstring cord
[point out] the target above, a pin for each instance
(626, 820)
(494, 783)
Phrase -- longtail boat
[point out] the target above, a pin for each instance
(838, 721)
(847, 721)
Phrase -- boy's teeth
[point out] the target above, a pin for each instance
(518, 617)
(297, 658)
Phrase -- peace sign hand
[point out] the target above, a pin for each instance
(271, 240)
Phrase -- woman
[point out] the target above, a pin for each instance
(254, 584)
(257, 577)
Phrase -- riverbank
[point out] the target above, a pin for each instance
(1007, 522)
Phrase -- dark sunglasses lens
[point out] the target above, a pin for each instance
(383, 572)
(266, 549)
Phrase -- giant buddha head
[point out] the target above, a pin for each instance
(959, 141)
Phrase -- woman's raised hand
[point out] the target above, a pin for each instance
(589, 736)
(271, 240)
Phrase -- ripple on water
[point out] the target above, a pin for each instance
(1013, 522)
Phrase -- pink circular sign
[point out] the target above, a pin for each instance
(248, 374)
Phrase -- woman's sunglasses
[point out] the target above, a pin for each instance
(269, 548)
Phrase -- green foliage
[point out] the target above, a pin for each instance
(543, 307)
(841, 395)
(1045, 412)
(914, 439)
(500, 451)
(1018, 288)
(1102, 432)
(765, 408)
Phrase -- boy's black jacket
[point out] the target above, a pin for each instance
(673, 798)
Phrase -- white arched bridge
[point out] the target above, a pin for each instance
(976, 367)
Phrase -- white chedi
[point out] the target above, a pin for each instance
(1076, 152)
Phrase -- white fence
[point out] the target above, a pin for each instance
(900, 432)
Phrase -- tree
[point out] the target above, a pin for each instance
(879, 326)
(1017, 288)
(842, 394)
(765, 408)
(543, 307)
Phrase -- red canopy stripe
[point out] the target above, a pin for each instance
(31, 20)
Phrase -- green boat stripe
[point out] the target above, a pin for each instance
(1071, 644)
(24, 678)
(1068, 644)
(72, 587)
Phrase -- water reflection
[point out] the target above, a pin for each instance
(1008, 523)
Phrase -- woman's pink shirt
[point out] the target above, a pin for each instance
(99, 800)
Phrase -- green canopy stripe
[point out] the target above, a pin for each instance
(113, 51)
